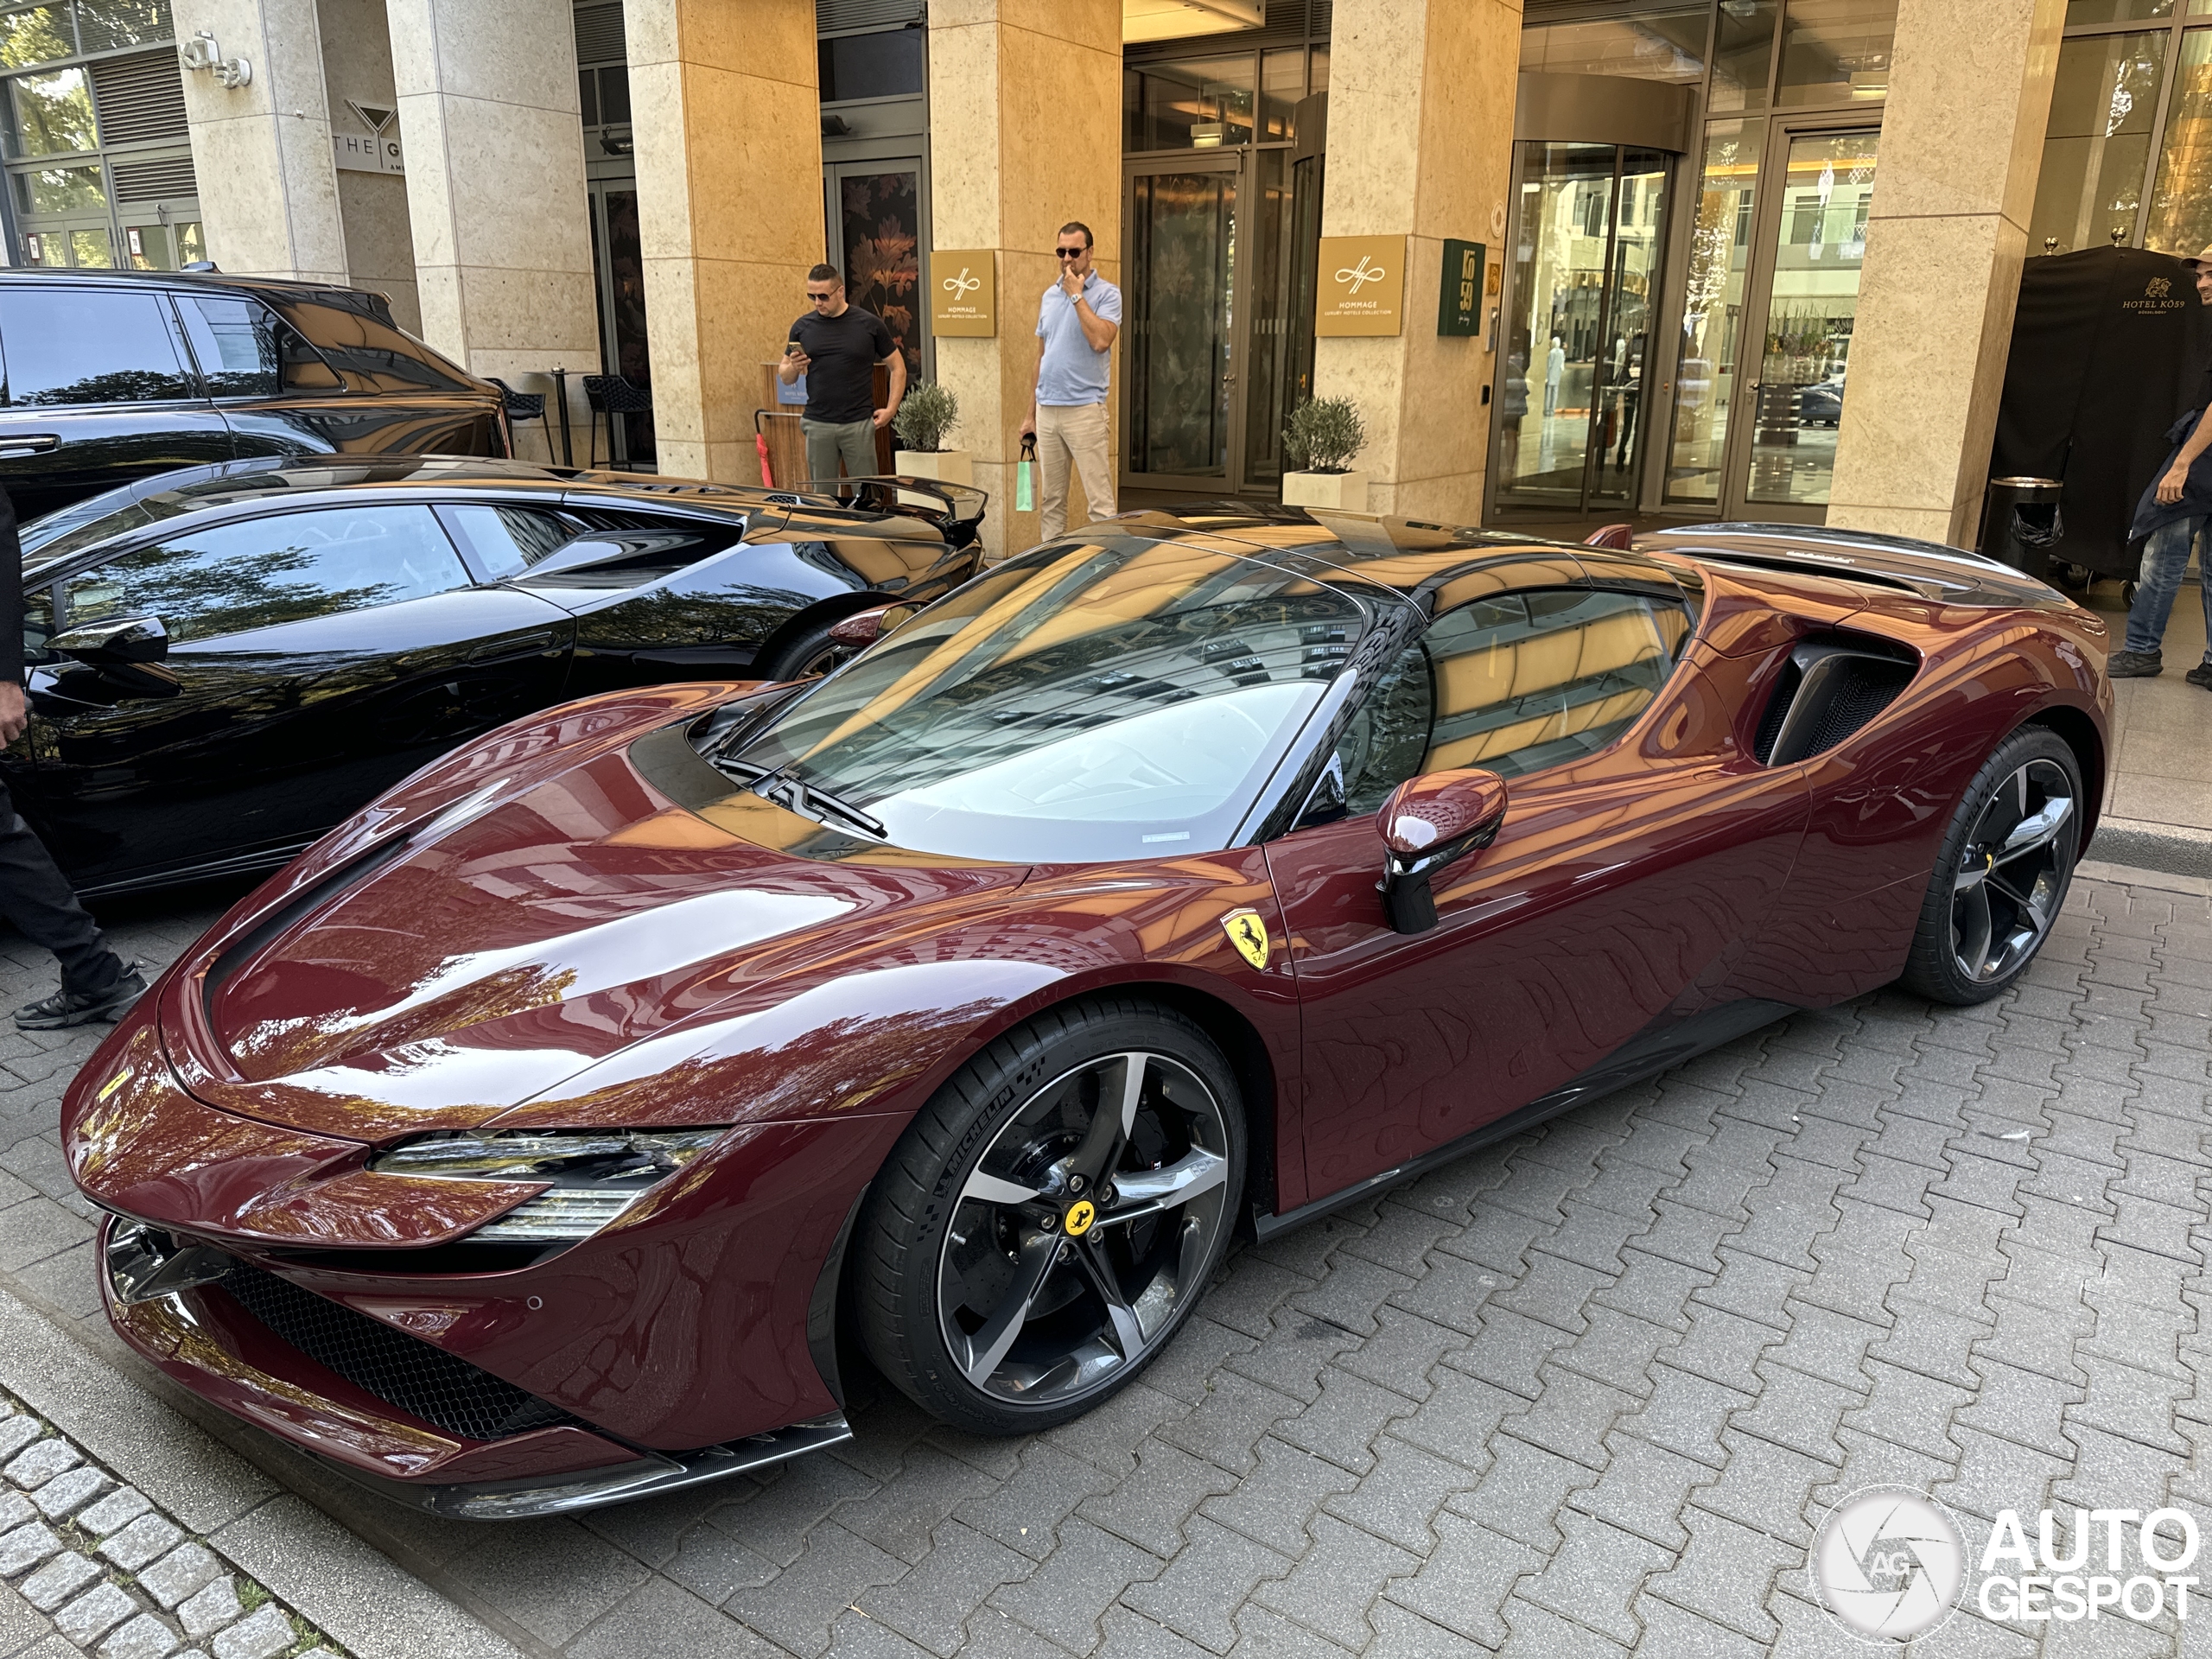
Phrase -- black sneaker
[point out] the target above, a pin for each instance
(67, 1008)
(2135, 664)
(2201, 675)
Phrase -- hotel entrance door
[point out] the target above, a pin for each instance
(1586, 247)
(1207, 320)
(1771, 297)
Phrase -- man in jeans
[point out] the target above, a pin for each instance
(2176, 508)
(838, 346)
(1076, 326)
(96, 983)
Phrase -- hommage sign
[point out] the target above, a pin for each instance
(963, 293)
(1363, 286)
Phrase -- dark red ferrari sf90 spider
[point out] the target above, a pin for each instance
(543, 1136)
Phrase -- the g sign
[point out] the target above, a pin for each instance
(963, 293)
(1363, 286)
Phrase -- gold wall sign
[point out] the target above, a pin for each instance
(963, 293)
(1363, 286)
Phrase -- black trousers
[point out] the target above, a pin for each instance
(36, 897)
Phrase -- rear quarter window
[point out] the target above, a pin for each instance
(373, 356)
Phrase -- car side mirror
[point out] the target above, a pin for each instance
(117, 640)
(1427, 823)
(863, 628)
(126, 650)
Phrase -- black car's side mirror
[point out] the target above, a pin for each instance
(1428, 822)
(127, 650)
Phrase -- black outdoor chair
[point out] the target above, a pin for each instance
(525, 406)
(611, 395)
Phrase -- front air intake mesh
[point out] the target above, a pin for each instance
(443, 1389)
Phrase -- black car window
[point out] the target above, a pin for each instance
(286, 567)
(373, 356)
(246, 351)
(82, 346)
(507, 541)
(38, 625)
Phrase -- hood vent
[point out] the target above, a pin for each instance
(1828, 690)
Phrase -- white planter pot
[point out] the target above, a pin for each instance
(1332, 491)
(946, 465)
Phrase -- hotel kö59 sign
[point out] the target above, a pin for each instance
(1363, 286)
(963, 293)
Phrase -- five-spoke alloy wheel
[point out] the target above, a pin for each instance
(2005, 865)
(1052, 1217)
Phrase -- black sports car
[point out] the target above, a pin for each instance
(225, 661)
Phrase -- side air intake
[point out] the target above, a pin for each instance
(1829, 690)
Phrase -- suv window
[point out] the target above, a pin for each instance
(289, 567)
(81, 346)
(1513, 684)
(373, 356)
(246, 351)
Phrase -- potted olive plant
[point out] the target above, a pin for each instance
(1324, 434)
(924, 419)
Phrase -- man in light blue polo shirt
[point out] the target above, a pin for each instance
(1076, 326)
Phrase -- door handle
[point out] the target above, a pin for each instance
(515, 647)
(36, 443)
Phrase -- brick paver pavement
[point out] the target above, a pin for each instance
(1589, 1392)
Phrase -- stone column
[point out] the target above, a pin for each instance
(1962, 133)
(373, 207)
(1025, 136)
(267, 189)
(495, 183)
(1420, 137)
(726, 115)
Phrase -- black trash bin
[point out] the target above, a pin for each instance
(2020, 523)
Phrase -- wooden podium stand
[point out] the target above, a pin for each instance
(787, 444)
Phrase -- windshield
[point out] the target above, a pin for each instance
(1114, 699)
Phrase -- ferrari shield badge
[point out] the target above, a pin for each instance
(1249, 935)
(1080, 1215)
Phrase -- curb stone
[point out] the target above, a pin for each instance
(109, 1572)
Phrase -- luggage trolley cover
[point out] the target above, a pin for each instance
(2109, 348)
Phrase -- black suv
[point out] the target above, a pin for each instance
(114, 375)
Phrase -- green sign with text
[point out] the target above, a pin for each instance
(1459, 295)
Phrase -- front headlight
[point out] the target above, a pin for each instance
(596, 1174)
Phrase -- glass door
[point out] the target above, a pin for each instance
(1183, 420)
(1588, 245)
(617, 260)
(1802, 300)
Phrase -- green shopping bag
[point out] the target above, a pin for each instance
(1025, 476)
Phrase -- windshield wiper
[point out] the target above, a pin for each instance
(789, 790)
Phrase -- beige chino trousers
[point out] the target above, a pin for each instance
(1072, 432)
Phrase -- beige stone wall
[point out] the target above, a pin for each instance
(1962, 133)
(727, 120)
(1025, 135)
(372, 206)
(267, 189)
(486, 91)
(1420, 134)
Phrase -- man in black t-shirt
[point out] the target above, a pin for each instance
(836, 346)
(96, 983)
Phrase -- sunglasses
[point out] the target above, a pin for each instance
(1070, 253)
(821, 299)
